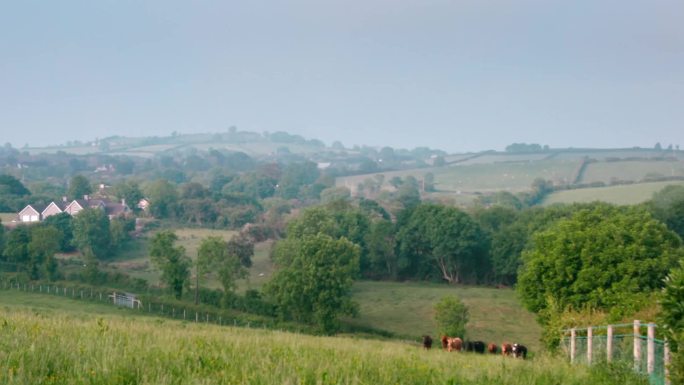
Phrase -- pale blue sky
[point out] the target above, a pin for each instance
(456, 75)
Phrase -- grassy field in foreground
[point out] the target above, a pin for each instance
(407, 309)
(621, 194)
(48, 346)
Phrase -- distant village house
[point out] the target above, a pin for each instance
(37, 212)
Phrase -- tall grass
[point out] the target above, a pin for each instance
(59, 348)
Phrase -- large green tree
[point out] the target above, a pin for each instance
(668, 206)
(16, 246)
(163, 198)
(227, 259)
(91, 233)
(314, 280)
(79, 186)
(13, 194)
(671, 320)
(63, 222)
(171, 260)
(445, 240)
(45, 241)
(602, 257)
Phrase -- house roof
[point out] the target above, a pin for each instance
(37, 207)
(115, 209)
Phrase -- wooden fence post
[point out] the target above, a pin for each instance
(609, 344)
(666, 361)
(637, 345)
(573, 335)
(590, 344)
(650, 349)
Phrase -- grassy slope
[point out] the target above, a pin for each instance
(402, 308)
(622, 194)
(407, 309)
(51, 346)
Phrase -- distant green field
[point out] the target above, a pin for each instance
(604, 154)
(496, 315)
(608, 172)
(137, 263)
(621, 194)
(55, 342)
(484, 177)
(504, 157)
(7, 217)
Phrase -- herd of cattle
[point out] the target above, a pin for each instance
(455, 344)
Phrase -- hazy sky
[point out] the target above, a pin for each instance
(458, 75)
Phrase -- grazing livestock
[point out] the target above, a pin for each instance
(427, 342)
(445, 342)
(492, 348)
(455, 344)
(506, 349)
(519, 351)
(475, 346)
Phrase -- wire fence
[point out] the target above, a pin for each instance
(142, 305)
(635, 343)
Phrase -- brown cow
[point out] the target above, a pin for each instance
(427, 342)
(506, 349)
(455, 344)
(492, 348)
(445, 342)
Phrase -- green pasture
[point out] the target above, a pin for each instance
(622, 153)
(7, 217)
(632, 170)
(505, 158)
(619, 194)
(481, 177)
(44, 344)
(75, 150)
(406, 309)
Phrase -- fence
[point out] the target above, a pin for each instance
(129, 302)
(620, 342)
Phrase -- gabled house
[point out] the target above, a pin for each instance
(53, 209)
(31, 213)
(37, 213)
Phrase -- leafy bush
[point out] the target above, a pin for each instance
(451, 316)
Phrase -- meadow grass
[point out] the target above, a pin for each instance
(48, 346)
(621, 194)
(407, 309)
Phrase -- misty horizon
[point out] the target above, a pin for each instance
(457, 76)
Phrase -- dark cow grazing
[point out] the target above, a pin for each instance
(455, 344)
(519, 351)
(492, 348)
(506, 349)
(479, 347)
(427, 342)
(445, 342)
(474, 346)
